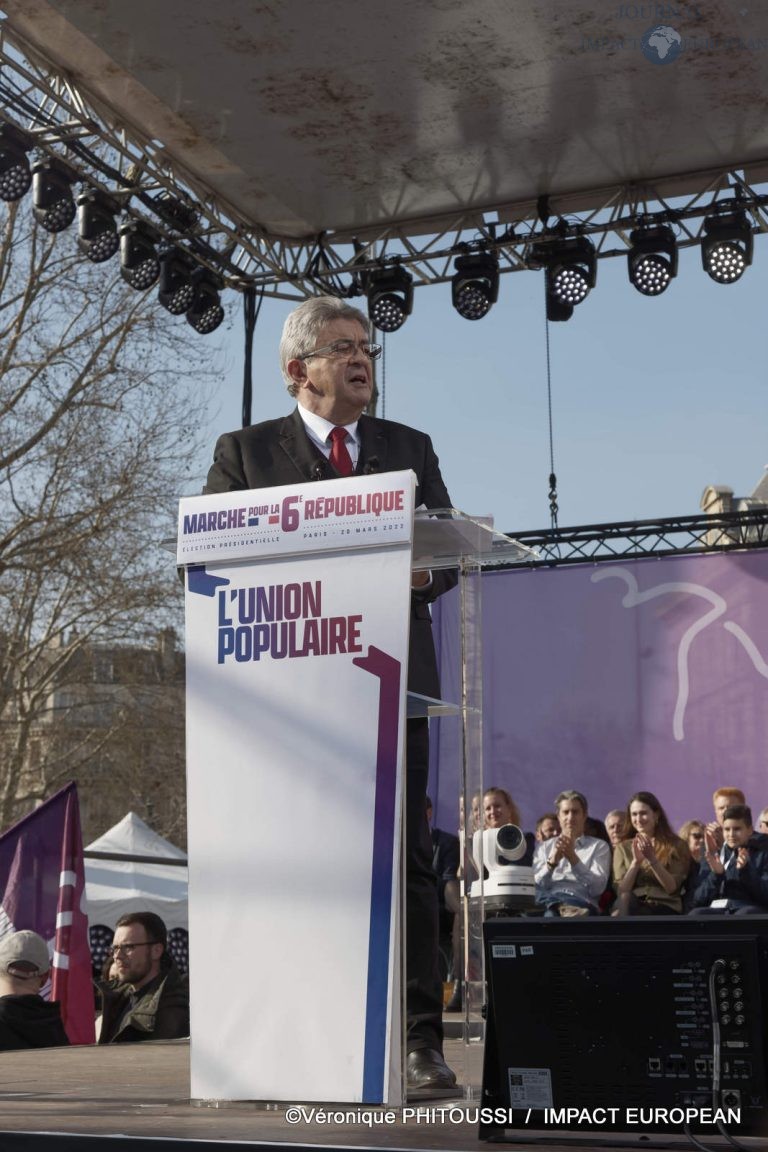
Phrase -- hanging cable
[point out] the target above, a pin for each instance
(251, 309)
(383, 375)
(553, 509)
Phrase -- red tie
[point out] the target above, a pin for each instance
(340, 457)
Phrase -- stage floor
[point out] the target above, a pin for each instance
(142, 1090)
(81, 1099)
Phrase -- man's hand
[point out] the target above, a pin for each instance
(742, 856)
(565, 848)
(711, 844)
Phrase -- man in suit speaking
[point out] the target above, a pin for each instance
(326, 359)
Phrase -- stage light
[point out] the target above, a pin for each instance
(96, 226)
(205, 313)
(571, 270)
(139, 263)
(726, 250)
(570, 266)
(15, 174)
(652, 259)
(176, 291)
(52, 199)
(390, 298)
(475, 285)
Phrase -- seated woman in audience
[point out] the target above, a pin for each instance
(693, 834)
(651, 866)
(499, 808)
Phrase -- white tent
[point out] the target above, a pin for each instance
(113, 887)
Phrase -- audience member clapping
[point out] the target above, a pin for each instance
(571, 870)
(651, 866)
(722, 799)
(733, 879)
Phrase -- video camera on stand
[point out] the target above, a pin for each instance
(506, 855)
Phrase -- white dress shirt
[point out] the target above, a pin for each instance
(587, 878)
(319, 429)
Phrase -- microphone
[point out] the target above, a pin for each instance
(371, 466)
(320, 470)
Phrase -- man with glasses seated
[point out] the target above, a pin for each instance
(326, 356)
(148, 999)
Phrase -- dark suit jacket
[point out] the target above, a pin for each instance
(747, 885)
(280, 452)
(445, 858)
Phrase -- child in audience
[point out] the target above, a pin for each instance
(734, 878)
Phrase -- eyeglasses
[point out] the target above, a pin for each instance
(128, 949)
(764, 823)
(340, 349)
(697, 835)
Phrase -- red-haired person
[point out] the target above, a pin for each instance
(723, 798)
(651, 866)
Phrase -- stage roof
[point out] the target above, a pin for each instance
(349, 116)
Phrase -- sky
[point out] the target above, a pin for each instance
(652, 399)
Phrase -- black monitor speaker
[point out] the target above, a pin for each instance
(651, 1027)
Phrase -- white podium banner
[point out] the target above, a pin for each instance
(352, 513)
(296, 681)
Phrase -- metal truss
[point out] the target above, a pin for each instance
(633, 539)
(147, 185)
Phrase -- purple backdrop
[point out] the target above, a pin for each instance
(617, 677)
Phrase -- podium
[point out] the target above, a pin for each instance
(297, 618)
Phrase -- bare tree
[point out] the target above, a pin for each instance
(100, 401)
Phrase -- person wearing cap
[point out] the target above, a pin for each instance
(149, 997)
(26, 1020)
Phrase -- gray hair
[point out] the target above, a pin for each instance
(572, 794)
(302, 326)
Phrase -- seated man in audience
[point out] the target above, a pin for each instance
(723, 798)
(150, 1000)
(614, 825)
(571, 870)
(733, 879)
(761, 828)
(547, 827)
(26, 1020)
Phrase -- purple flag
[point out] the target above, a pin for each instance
(42, 883)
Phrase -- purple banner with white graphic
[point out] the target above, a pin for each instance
(617, 677)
